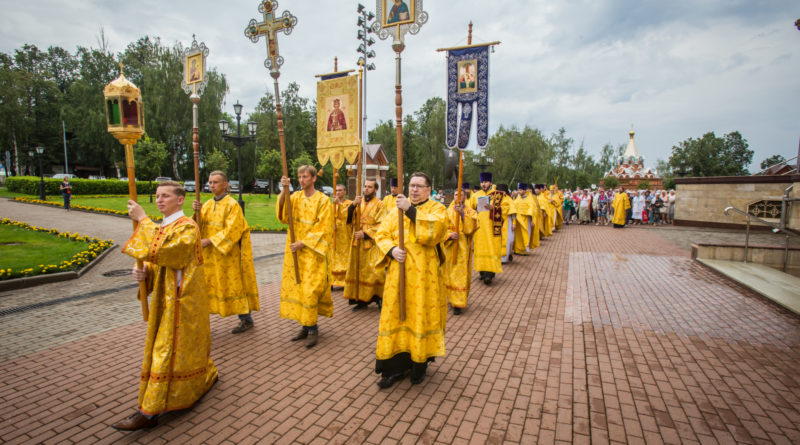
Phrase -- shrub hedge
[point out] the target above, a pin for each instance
(30, 186)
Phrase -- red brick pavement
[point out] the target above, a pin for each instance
(601, 336)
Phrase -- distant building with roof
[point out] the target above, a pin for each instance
(376, 166)
(630, 169)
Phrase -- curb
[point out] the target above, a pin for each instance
(25, 282)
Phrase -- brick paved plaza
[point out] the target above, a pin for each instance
(601, 336)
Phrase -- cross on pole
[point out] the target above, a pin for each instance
(270, 27)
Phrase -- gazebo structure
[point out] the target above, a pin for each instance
(376, 166)
(630, 169)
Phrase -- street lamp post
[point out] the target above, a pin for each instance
(238, 141)
(365, 28)
(484, 161)
(39, 153)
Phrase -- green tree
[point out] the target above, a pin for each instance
(301, 159)
(150, 156)
(772, 160)
(611, 182)
(712, 156)
(217, 160)
(269, 166)
(643, 185)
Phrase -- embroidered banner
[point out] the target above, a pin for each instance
(337, 120)
(467, 91)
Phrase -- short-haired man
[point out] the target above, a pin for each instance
(342, 233)
(409, 345)
(313, 230)
(462, 224)
(364, 281)
(176, 370)
(225, 237)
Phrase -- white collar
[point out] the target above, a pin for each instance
(171, 218)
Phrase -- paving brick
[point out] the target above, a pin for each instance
(576, 343)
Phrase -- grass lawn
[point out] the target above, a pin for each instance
(24, 248)
(259, 210)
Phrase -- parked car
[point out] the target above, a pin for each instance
(207, 187)
(96, 177)
(125, 178)
(328, 190)
(261, 186)
(65, 175)
(163, 178)
(234, 186)
(280, 187)
(189, 186)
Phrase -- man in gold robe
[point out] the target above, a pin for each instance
(620, 205)
(492, 211)
(507, 240)
(176, 370)
(390, 200)
(227, 254)
(558, 198)
(408, 346)
(536, 217)
(522, 223)
(312, 219)
(548, 205)
(342, 234)
(463, 222)
(364, 282)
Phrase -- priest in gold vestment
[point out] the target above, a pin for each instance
(536, 217)
(620, 205)
(463, 222)
(227, 255)
(547, 204)
(408, 346)
(522, 224)
(390, 200)
(176, 369)
(313, 231)
(342, 234)
(492, 211)
(364, 282)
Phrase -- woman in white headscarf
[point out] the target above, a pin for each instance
(638, 207)
(671, 207)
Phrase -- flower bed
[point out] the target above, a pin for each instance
(84, 208)
(77, 261)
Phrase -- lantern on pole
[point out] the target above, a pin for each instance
(125, 121)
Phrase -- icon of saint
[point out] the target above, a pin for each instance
(398, 13)
(194, 73)
(336, 120)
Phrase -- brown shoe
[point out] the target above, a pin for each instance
(312, 339)
(300, 335)
(135, 422)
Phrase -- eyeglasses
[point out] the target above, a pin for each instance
(417, 186)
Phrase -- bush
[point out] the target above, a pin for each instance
(29, 185)
(611, 182)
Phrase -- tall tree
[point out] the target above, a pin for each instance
(712, 156)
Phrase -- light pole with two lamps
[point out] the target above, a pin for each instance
(39, 152)
(238, 141)
(484, 161)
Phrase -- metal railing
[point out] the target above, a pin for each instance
(776, 228)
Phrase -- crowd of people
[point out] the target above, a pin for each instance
(409, 255)
(594, 206)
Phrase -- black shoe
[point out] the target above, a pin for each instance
(312, 339)
(456, 311)
(300, 335)
(379, 302)
(487, 280)
(243, 326)
(386, 382)
(360, 305)
(510, 258)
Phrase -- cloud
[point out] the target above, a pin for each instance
(672, 69)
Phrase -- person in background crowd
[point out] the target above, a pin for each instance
(66, 192)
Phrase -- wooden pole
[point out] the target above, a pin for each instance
(133, 197)
(458, 200)
(196, 150)
(398, 98)
(288, 200)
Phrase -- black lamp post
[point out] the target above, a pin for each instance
(39, 153)
(364, 29)
(484, 161)
(238, 141)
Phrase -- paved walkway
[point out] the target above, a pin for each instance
(601, 336)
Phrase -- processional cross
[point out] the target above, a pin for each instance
(270, 27)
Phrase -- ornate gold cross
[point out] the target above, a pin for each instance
(270, 27)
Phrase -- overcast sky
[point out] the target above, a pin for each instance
(671, 69)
